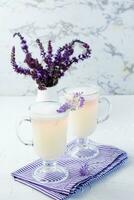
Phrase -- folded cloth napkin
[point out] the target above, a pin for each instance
(108, 160)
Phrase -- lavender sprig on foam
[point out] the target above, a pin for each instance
(75, 103)
(64, 108)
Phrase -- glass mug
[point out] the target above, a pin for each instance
(83, 121)
(49, 139)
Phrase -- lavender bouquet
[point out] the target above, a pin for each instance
(53, 65)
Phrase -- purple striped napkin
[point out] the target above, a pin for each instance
(109, 159)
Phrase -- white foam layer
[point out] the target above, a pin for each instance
(89, 92)
(86, 90)
(46, 110)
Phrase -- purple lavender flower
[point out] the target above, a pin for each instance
(76, 102)
(84, 170)
(54, 66)
(42, 51)
(18, 69)
(82, 101)
(24, 45)
(64, 108)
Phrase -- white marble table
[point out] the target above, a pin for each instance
(118, 131)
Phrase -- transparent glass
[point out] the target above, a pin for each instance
(49, 139)
(83, 121)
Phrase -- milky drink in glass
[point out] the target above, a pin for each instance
(49, 131)
(83, 121)
(49, 140)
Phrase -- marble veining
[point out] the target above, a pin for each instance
(107, 25)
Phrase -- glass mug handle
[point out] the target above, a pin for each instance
(106, 116)
(26, 119)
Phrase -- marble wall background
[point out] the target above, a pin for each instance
(107, 25)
